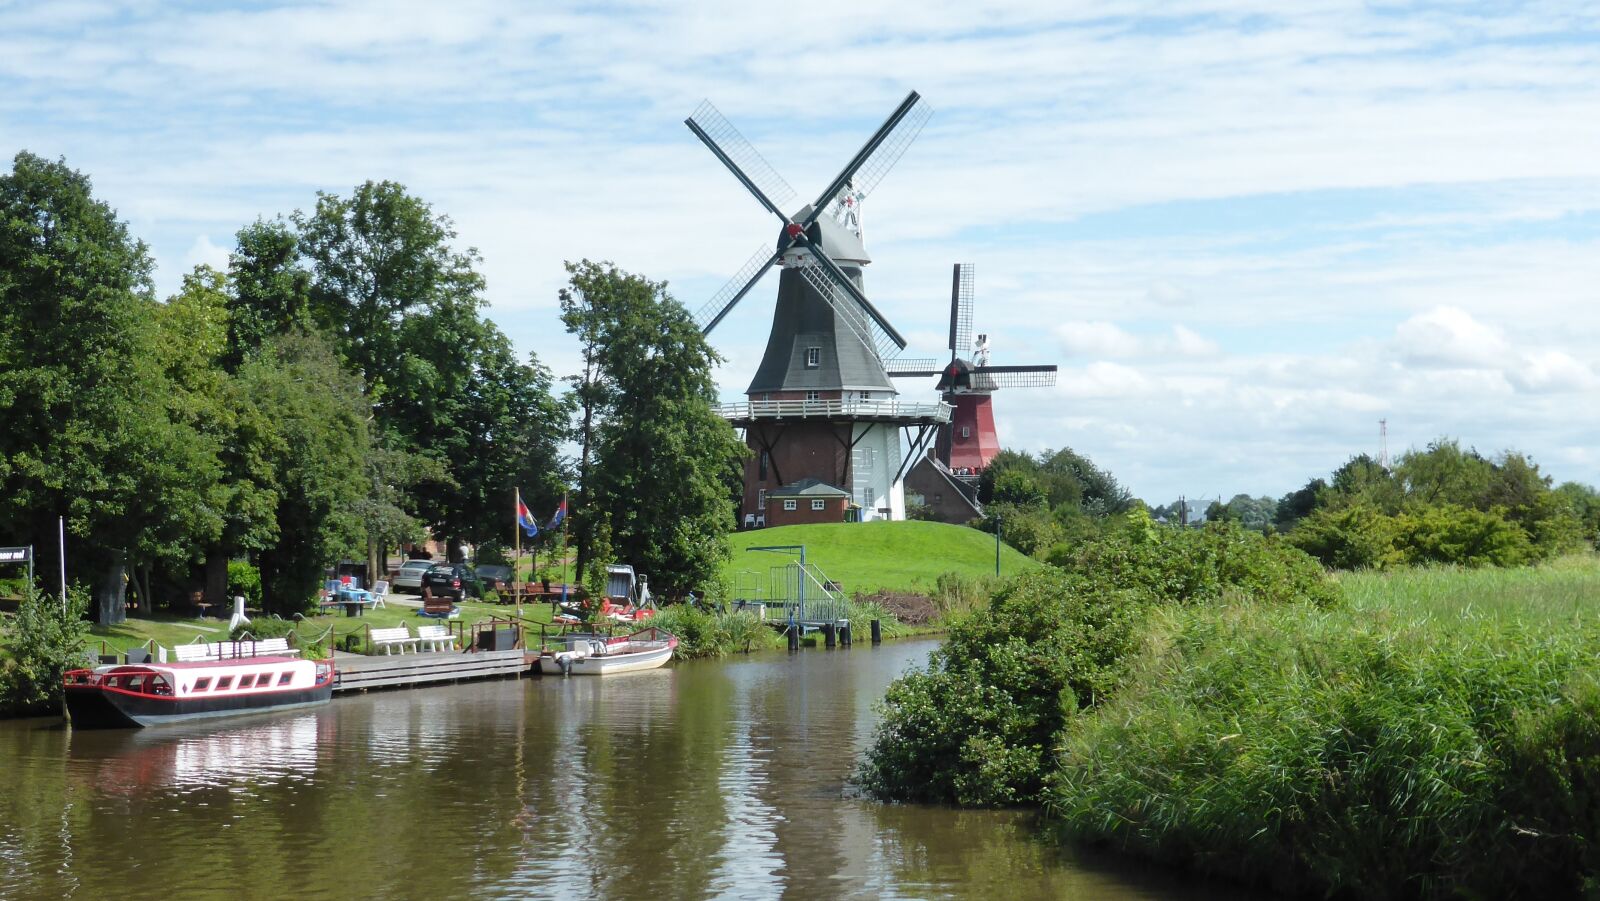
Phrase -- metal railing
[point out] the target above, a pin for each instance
(857, 409)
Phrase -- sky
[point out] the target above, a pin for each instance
(1244, 231)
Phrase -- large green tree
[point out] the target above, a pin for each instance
(93, 428)
(304, 430)
(659, 467)
(461, 421)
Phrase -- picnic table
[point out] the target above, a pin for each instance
(354, 601)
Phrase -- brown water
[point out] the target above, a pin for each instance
(701, 780)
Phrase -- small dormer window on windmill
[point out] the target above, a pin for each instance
(813, 357)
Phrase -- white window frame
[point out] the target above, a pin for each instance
(791, 504)
(966, 431)
(819, 504)
(812, 396)
(761, 499)
(813, 357)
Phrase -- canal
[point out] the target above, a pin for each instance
(714, 779)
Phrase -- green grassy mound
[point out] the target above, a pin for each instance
(867, 557)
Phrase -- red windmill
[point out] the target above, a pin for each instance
(969, 442)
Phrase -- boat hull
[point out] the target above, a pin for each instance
(609, 664)
(602, 665)
(91, 707)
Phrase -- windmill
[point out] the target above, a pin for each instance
(968, 384)
(821, 405)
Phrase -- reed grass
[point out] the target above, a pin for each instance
(1436, 735)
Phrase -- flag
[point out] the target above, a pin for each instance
(525, 518)
(561, 513)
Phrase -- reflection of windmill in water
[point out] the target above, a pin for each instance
(822, 420)
(968, 383)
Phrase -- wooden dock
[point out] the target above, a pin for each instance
(358, 673)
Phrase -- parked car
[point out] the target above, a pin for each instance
(494, 576)
(409, 576)
(454, 580)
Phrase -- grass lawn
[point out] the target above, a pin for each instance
(895, 556)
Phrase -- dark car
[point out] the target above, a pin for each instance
(454, 580)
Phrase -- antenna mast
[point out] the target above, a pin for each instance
(1383, 443)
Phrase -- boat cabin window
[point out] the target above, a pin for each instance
(247, 680)
(284, 679)
(202, 683)
(224, 683)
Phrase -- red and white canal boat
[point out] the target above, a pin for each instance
(153, 694)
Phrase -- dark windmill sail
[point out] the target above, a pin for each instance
(828, 345)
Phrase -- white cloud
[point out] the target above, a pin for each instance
(1552, 371)
(1449, 338)
(204, 252)
(1106, 340)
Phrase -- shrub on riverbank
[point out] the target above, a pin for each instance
(37, 646)
(703, 633)
(980, 725)
(1367, 750)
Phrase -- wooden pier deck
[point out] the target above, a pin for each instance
(359, 673)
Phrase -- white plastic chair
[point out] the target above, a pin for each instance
(379, 592)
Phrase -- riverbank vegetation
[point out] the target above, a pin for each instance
(1209, 699)
(1440, 504)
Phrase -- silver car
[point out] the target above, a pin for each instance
(409, 576)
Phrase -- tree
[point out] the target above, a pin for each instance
(307, 426)
(271, 290)
(664, 466)
(1444, 474)
(1296, 505)
(378, 258)
(93, 429)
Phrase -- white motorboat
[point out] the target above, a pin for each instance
(591, 655)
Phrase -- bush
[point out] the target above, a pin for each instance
(1205, 565)
(703, 633)
(980, 725)
(1461, 536)
(1341, 751)
(39, 645)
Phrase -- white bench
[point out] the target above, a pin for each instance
(187, 653)
(227, 650)
(390, 638)
(437, 638)
(277, 647)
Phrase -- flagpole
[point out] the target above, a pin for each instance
(516, 559)
(566, 515)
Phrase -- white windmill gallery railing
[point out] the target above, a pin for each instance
(836, 409)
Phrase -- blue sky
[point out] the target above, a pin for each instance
(1246, 231)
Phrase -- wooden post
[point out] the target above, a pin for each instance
(794, 637)
(829, 635)
(845, 638)
(877, 632)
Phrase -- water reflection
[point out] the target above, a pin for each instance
(703, 780)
